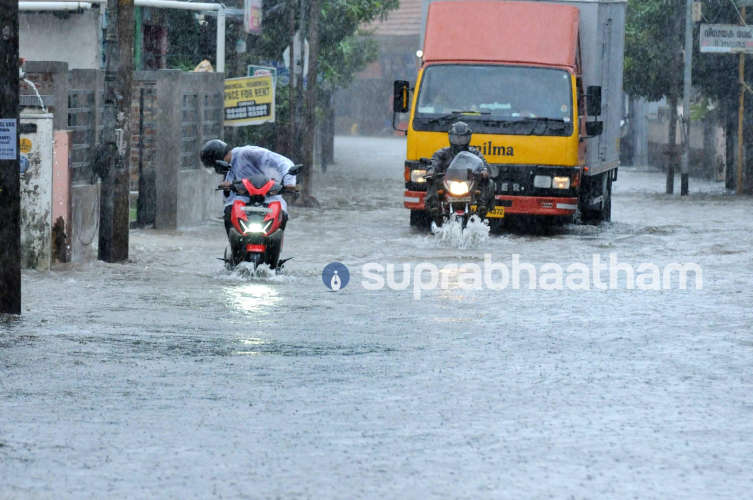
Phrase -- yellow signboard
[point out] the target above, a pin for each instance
(249, 101)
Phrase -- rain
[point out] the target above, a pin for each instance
(583, 339)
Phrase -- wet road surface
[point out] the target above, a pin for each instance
(169, 376)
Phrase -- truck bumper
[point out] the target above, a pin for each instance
(521, 205)
(414, 200)
(537, 205)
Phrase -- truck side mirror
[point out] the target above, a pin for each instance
(593, 100)
(400, 97)
(594, 128)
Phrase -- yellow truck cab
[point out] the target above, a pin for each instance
(539, 83)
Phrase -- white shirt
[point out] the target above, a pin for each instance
(248, 160)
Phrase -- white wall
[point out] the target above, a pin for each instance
(72, 37)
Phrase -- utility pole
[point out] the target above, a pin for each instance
(741, 112)
(10, 189)
(112, 156)
(686, 87)
(291, 84)
(310, 104)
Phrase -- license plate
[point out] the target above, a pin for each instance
(496, 213)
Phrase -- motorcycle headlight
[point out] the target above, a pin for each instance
(254, 227)
(418, 176)
(458, 188)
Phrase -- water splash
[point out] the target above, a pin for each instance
(452, 233)
(245, 271)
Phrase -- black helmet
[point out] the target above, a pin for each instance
(213, 151)
(460, 134)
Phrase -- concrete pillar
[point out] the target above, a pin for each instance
(167, 156)
(36, 191)
(640, 128)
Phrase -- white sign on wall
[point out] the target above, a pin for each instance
(726, 38)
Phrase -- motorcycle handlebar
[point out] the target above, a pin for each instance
(281, 189)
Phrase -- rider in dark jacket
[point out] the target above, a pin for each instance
(460, 139)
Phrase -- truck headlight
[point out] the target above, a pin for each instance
(418, 176)
(542, 181)
(561, 182)
(458, 188)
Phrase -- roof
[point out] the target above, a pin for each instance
(406, 20)
(515, 32)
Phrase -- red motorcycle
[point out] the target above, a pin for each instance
(257, 227)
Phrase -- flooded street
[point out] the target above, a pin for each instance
(170, 376)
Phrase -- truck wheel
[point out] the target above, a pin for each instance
(607, 212)
(593, 187)
(420, 219)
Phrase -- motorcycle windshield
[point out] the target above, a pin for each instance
(258, 180)
(463, 166)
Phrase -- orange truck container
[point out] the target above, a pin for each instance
(540, 84)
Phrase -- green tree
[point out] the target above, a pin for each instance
(344, 50)
(717, 77)
(654, 40)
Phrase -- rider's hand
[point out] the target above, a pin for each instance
(226, 184)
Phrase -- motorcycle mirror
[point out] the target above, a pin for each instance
(295, 169)
(222, 167)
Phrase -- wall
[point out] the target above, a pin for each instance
(72, 37)
(198, 199)
(190, 113)
(707, 151)
(61, 196)
(172, 114)
(36, 192)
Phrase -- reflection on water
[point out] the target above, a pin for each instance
(255, 298)
(253, 345)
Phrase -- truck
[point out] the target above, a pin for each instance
(540, 84)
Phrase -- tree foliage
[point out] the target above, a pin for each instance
(654, 44)
(344, 50)
(653, 47)
(716, 75)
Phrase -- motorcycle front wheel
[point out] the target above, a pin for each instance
(256, 258)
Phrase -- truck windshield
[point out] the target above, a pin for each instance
(516, 100)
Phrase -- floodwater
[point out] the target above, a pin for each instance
(168, 376)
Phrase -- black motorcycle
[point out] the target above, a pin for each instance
(464, 190)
